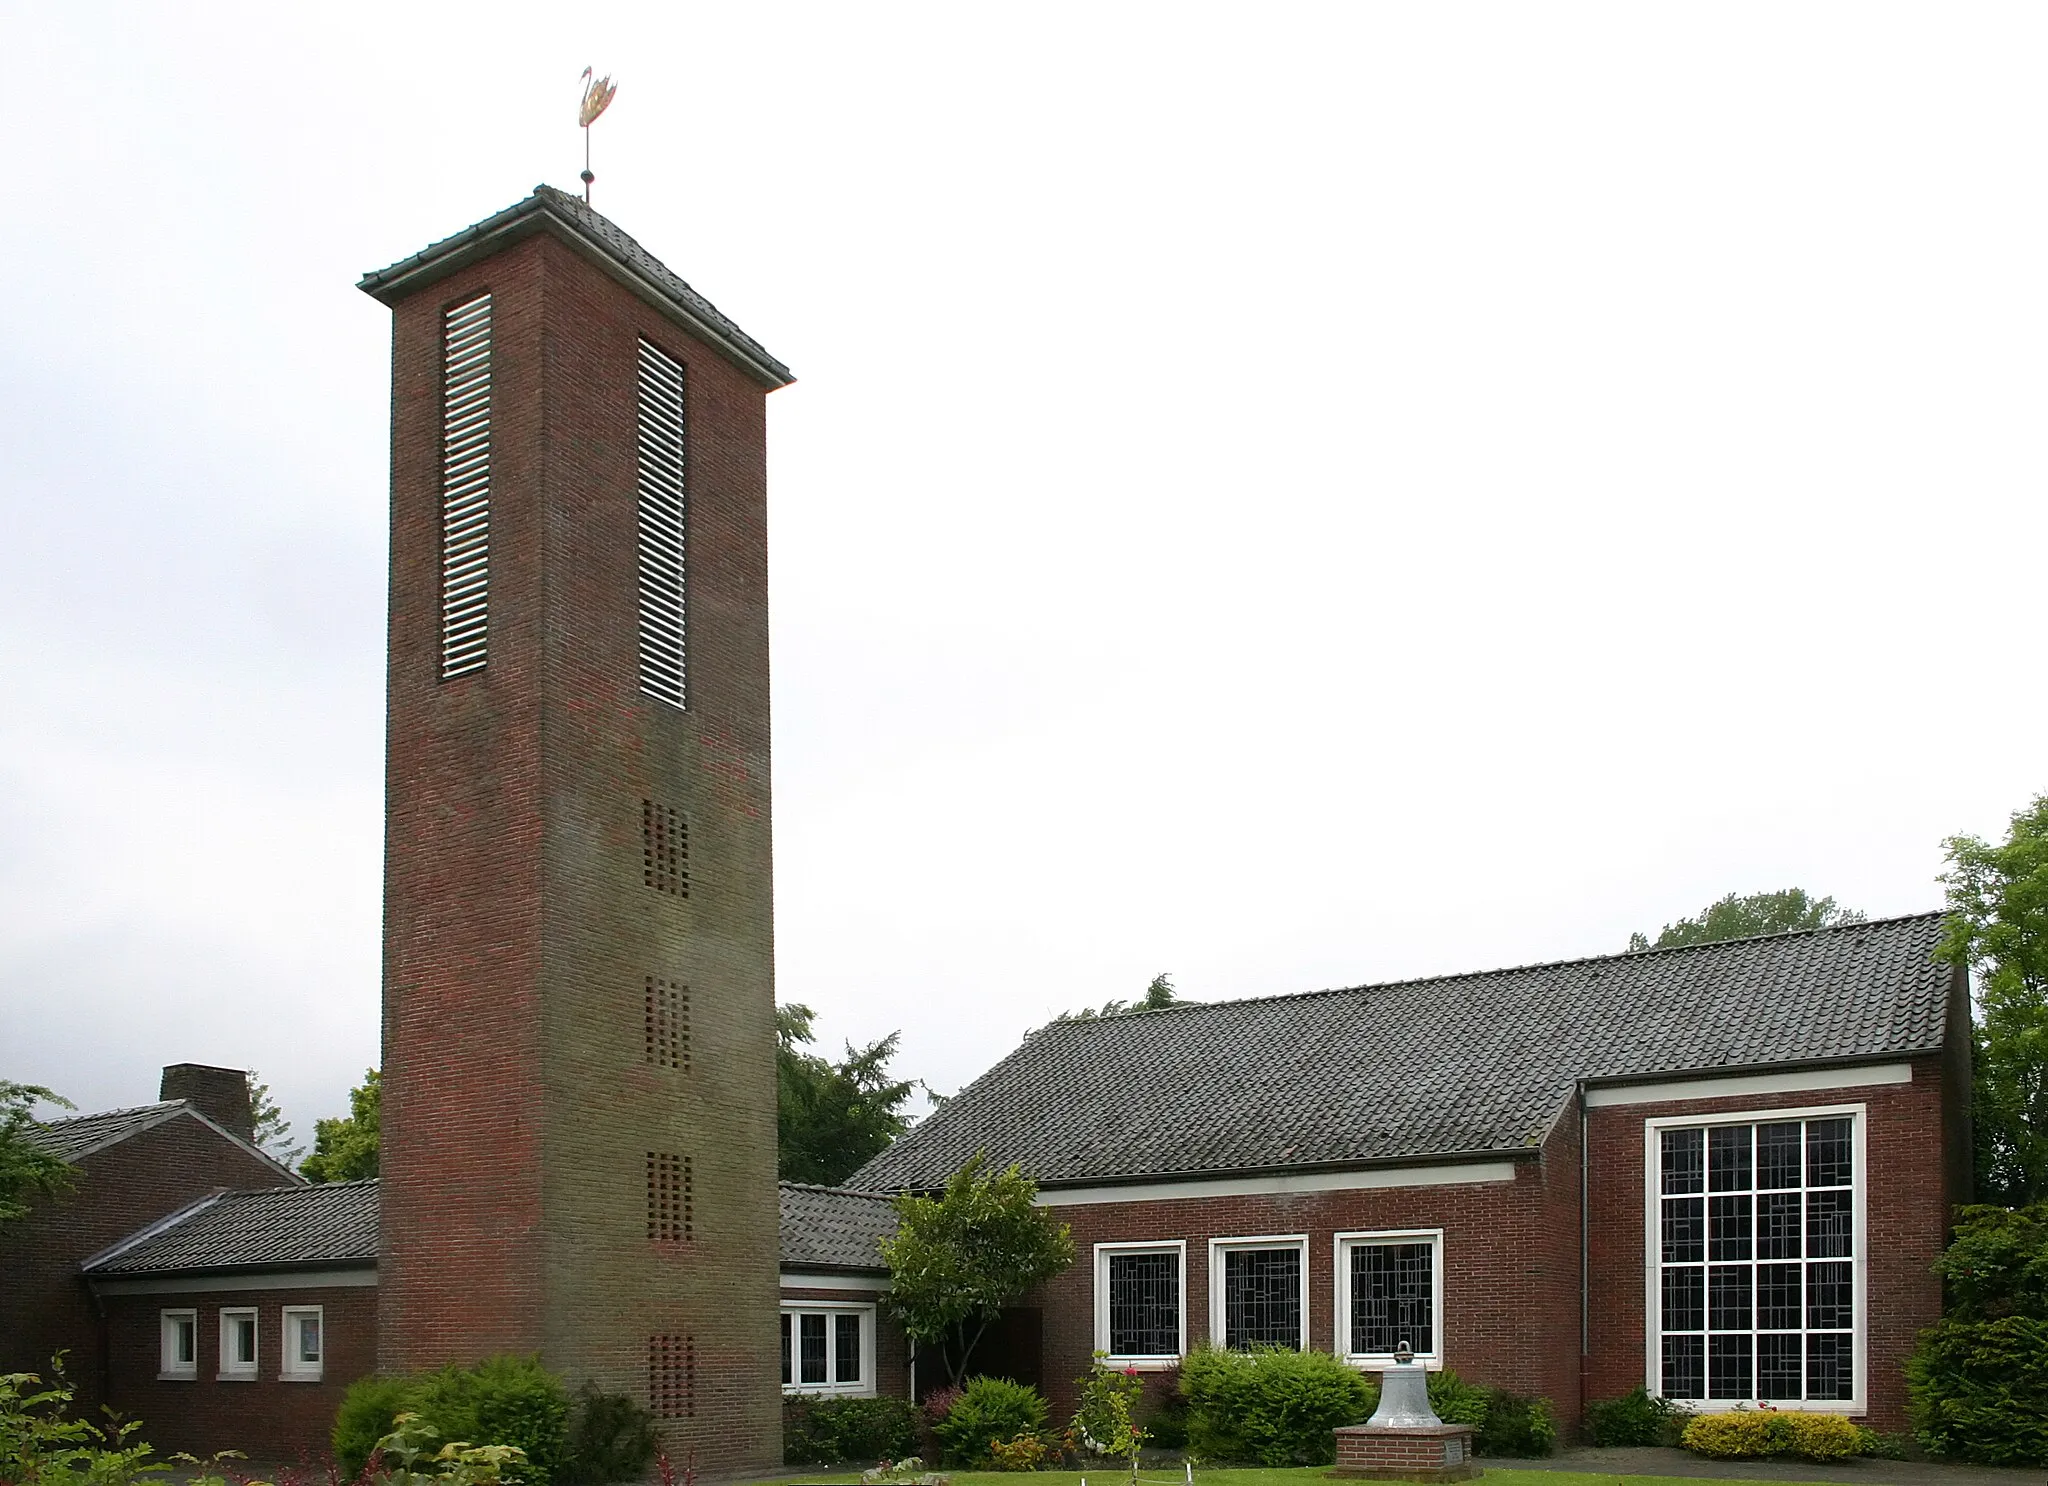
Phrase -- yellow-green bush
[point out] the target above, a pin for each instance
(1744, 1433)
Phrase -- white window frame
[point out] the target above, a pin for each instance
(865, 1388)
(1218, 1247)
(1178, 1247)
(291, 1368)
(1859, 1265)
(1340, 1337)
(233, 1370)
(168, 1365)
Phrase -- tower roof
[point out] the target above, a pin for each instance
(598, 238)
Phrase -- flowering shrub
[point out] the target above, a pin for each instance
(908, 1471)
(1106, 1422)
(988, 1410)
(1024, 1453)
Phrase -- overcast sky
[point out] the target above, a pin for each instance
(1285, 495)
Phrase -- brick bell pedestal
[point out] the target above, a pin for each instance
(1404, 1440)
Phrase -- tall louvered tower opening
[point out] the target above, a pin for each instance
(579, 1084)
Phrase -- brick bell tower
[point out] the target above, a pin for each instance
(578, 1077)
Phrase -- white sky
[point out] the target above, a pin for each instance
(1287, 495)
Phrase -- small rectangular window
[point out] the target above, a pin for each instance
(238, 1344)
(1390, 1292)
(465, 485)
(826, 1348)
(1141, 1302)
(302, 1343)
(668, 1023)
(179, 1356)
(672, 1376)
(1258, 1292)
(671, 1198)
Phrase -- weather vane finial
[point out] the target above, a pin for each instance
(597, 97)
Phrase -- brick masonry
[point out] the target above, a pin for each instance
(44, 1305)
(1442, 1453)
(268, 1418)
(520, 1108)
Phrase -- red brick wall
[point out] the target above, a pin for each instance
(1907, 1224)
(268, 1419)
(1509, 1283)
(44, 1306)
(519, 1112)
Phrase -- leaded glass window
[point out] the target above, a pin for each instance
(1755, 1238)
(1143, 1301)
(1262, 1297)
(1389, 1291)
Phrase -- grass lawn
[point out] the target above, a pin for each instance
(1306, 1475)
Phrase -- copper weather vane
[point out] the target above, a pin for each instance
(597, 97)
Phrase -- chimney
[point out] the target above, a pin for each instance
(221, 1094)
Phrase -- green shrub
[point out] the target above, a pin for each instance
(1979, 1380)
(1729, 1436)
(1747, 1433)
(1165, 1415)
(611, 1438)
(501, 1401)
(1636, 1418)
(831, 1431)
(988, 1409)
(1515, 1426)
(367, 1413)
(1457, 1401)
(1272, 1407)
(1879, 1446)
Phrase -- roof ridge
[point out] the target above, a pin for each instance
(109, 1114)
(1423, 980)
(836, 1191)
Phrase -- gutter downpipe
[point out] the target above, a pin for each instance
(1585, 1320)
(106, 1346)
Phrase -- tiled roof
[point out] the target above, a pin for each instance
(833, 1228)
(577, 222)
(1457, 1065)
(69, 1139)
(278, 1227)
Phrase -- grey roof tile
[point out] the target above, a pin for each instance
(569, 214)
(833, 1227)
(276, 1227)
(1454, 1065)
(79, 1135)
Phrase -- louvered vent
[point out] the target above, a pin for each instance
(465, 484)
(664, 530)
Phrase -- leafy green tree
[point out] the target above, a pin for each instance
(1998, 927)
(832, 1118)
(345, 1148)
(27, 1170)
(957, 1259)
(273, 1130)
(1743, 916)
(1978, 1381)
(1158, 995)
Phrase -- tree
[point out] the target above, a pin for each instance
(957, 1259)
(273, 1130)
(345, 1148)
(26, 1169)
(832, 1118)
(1979, 1378)
(1158, 996)
(1744, 916)
(1998, 928)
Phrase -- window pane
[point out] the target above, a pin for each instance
(1393, 1297)
(1685, 1230)
(309, 1338)
(1262, 1298)
(1728, 1158)
(1685, 1160)
(1830, 1367)
(786, 1378)
(1828, 1225)
(1830, 1297)
(1728, 1227)
(1685, 1368)
(1144, 1305)
(1777, 1156)
(846, 1347)
(1728, 1298)
(1728, 1371)
(1777, 1225)
(1685, 1299)
(1827, 1153)
(1777, 1366)
(1778, 1306)
(185, 1340)
(242, 1339)
(810, 1331)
